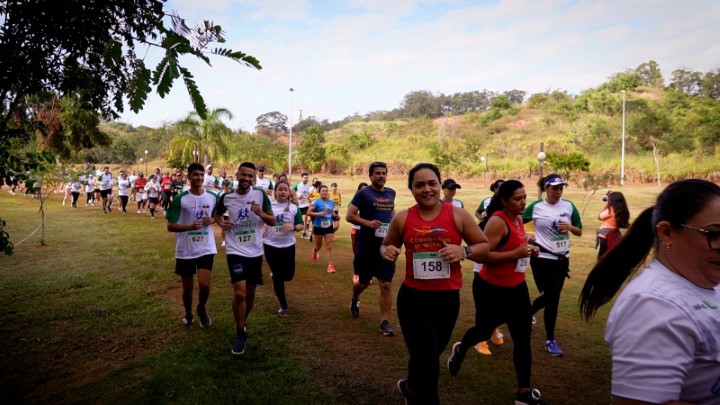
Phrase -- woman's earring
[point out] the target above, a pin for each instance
(667, 245)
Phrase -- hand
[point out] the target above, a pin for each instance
(375, 224)
(207, 220)
(452, 253)
(255, 208)
(288, 227)
(391, 253)
(226, 225)
(563, 227)
(197, 224)
(523, 251)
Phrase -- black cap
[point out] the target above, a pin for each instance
(261, 168)
(450, 183)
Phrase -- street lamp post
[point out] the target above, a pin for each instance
(146, 161)
(485, 160)
(290, 137)
(141, 160)
(622, 153)
(541, 162)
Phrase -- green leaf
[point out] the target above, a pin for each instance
(195, 96)
(241, 57)
(139, 86)
(165, 73)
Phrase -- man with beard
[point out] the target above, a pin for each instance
(247, 209)
(372, 208)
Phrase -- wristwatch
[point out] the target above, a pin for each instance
(468, 252)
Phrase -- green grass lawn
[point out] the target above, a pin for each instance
(93, 316)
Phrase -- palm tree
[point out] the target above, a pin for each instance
(207, 136)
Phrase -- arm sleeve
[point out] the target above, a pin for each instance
(575, 218)
(298, 218)
(527, 216)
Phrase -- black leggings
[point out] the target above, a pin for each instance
(89, 197)
(282, 269)
(549, 276)
(124, 202)
(427, 319)
(166, 195)
(495, 305)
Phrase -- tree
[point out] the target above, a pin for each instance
(566, 163)
(687, 81)
(311, 152)
(421, 103)
(515, 96)
(650, 75)
(87, 50)
(204, 135)
(272, 123)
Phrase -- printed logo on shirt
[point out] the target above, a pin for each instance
(704, 305)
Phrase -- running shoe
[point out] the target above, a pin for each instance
(310, 238)
(402, 387)
(483, 348)
(304, 235)
(354, 305)
(553, 348)
(314, 256)
(283, 312)
(455, 360)
(498, 337)
(530, 397)
(186, 323)
(331, 269)
(386, 329)
(205, 320)
(238, 346)
(534, 321)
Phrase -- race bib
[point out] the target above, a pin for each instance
(325, 223)
(196, 238)
(245, 238)
(522, 265)
(429, 265)
(560, 246)
(278, 228)
(382, 231)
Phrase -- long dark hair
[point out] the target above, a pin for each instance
(616, 201)
(505, 191)
(679, 202)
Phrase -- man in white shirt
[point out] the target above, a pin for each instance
(263, 182)
(302, 190)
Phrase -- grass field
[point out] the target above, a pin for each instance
(93, 317)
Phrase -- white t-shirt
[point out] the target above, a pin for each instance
(89, 185)
(153, 189)
(123, 186)
(106, 181)
(285, 213)
(75, 187)
(209, 182)
(664, 337)
(263, 183)
(245, 238)
(184, 210)
(546, 217)
(303, 191)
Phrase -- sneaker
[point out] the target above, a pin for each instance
(354, 305)
(534, 321)
(402, 387)
(386, 329)
(331, 269)
(552, 347)
(531, 397)
(304, 234)
(186, 323)
(238, 346)
(310, 238)
(455, 360)
(283, 312)
(314, 256)
(356, 279)
(483, 348)
(205, 320)
(498, 337)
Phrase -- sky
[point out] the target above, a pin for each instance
(357, 56)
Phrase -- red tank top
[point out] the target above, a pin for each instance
(422, 238)
(509, 273)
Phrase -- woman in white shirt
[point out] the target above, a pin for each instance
(664, 328)
(124, 186)
(279, 242)
(153, 190)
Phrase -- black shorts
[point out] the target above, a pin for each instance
(304, 210)
(367, 266)
(248, 269)
(188, 267)
(323, 231)
(153, 200)
(281, 262)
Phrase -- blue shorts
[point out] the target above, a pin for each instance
(368, 266)
(247, 269)
(188, 267)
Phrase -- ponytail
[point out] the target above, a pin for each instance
(617, 265)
